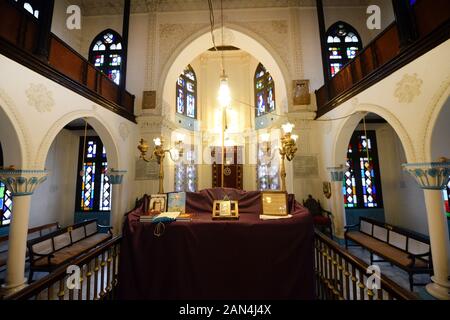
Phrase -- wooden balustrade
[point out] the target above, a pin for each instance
(341, 276)
(18, 41)
(98, 277)
(384, 55)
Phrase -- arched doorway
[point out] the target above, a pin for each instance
(381, 190)
(197, 54)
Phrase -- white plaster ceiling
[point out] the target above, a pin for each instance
(111, 7)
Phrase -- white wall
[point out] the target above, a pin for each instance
(54, 201)
(403, 201)
(59, 28)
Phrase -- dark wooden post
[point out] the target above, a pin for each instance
(45, 26)
(406, 24)
(323, 46)
(125, 31)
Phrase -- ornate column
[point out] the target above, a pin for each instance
(337, 204)
(432, 178)
(22, 184)
(116, 179)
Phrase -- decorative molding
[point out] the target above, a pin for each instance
(116, 176)
(24, 137)
(40, 98)
(22, 182)
(429, 176)
(124, 131)
(408, 88)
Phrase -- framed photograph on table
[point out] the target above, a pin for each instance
(274, 203)
(176, 202)
(158, 202)
(225, 210)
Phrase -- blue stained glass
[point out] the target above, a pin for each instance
(105, 190)
(88, 184)
(180, 101)
(91, 150)
(104, 152)
(190, 106)
(260, 103)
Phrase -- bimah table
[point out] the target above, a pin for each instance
(249, 259)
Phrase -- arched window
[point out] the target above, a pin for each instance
(264, 91)
(362, 183)
(93, 187)
(106, 54)
(5, 200)
(186, 101)
(343, 44)
(446, 198)
(31, 6)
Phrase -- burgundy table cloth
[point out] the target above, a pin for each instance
(249, 259)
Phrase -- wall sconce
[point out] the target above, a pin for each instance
(287, 151)
(159, 153)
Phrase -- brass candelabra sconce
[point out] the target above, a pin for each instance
(159, 154)
(287, 150)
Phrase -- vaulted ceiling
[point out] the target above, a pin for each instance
(109, 7)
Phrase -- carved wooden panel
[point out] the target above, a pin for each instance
(233, 167)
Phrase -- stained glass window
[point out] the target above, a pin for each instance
(361, 186)
(343, 44)
(106, 54)
(267, 168)
(186, 93)
(94, 188)
(6, 201)
(30, 6)
(447, 198)
(264, 91)
(186, 172)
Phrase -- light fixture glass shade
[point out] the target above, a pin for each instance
(265, 137)
(288, 127)
(157, 142)
(180, 137)
(294, 137)
(224, 92)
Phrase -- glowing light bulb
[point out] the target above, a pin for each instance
(288, 127)
(294, 137)
(265, 137)
(157, 142)
(224, 92)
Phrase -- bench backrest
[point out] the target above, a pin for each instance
(397, 237)
(33, 233)
(62, 238)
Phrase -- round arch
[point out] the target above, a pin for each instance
(12, 138)
(348, 126)
(201, 42)
(430, 128)
(99, 126)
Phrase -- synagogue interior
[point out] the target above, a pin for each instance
(224, 150)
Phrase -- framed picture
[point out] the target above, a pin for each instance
(225, 210)
(274, 203)
(176, 202)
(158, 202)
(301, 92)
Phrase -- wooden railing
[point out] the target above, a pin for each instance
(384, 55)
(19, 33)
(342, 276)
(98, 278)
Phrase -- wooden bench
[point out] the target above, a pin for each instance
(33, 233)
(55, 249)
(400, 247)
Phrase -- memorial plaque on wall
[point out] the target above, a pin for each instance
(149, 100)
(147, 170)
(306, 167)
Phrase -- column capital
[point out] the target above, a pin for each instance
(116, 176)
(337, 173)
(22, 182)
(429, 175)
